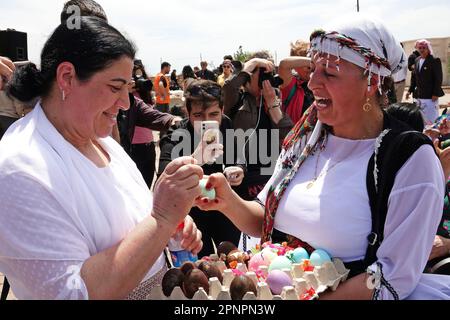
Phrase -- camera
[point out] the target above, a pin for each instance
(275, 80)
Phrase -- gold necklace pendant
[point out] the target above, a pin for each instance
(310, 185)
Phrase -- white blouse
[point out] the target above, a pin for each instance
(58, 209)
(334, 214)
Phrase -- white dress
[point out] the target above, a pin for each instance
(58, 209)
(334, 214)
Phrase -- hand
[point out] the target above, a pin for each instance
(444, 157)
(434, 98)
(444, 127)
(208, 150)
(176, 121)
(407, 95)
(252, 65)
(269, 94)
(224, 194)
(440, 248)
(234, 175)
(176, 190)
(432, 133)
(6, 71)
(192, 237)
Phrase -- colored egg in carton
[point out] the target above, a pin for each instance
(299, 282)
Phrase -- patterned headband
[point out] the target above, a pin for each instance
(343, 40)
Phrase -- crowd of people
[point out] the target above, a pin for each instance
(318, 152)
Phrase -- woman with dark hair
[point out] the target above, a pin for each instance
(78, 220)
(351, 179)
(188, 77)
(408, 113)
(142, 149)
(174, 81)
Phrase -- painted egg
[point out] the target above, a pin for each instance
(210, 194)
(258, 260)
(269, 254)
(299, 254)
(276, 280)
(319, 257)
(280, 263)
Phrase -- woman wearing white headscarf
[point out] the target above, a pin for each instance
(349, 180)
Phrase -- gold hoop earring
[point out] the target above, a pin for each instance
(367, 106)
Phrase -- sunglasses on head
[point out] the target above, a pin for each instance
(200, 91)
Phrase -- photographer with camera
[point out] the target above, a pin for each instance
(256, 109)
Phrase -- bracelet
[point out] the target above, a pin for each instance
(272, 107)
(276, 105)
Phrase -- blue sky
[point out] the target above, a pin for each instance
(181, 31)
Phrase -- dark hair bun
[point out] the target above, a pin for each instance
(26, 83)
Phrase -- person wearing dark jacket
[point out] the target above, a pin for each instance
(427, 81)
(204, 73)
(142, 115)
(203, 102)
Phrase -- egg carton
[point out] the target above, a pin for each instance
(325, 277)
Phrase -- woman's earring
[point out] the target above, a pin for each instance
(367, 106)
(63, 95)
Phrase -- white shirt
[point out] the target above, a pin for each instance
(421, 61)
(334, 215)
(303, 211)
(58, 209)
(400, 75)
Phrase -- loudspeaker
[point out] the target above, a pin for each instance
(14, 45)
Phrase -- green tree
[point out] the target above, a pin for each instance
(241, 55)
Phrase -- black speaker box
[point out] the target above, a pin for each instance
(14, 45)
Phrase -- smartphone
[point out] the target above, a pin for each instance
(211, 130)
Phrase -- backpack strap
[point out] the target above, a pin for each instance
(395, 149)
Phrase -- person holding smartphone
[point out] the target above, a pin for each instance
(204, 105)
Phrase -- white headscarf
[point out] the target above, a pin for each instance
(426, 43)
(364, 42)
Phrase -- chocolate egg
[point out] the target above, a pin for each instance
(225, 248)
(235, 257)
(276, 280)
(240, 286)
(193, 280)
(187, 266)
(210, 270)
(173, 278)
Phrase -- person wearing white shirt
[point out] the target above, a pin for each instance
(77, 219)
(326, 190)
